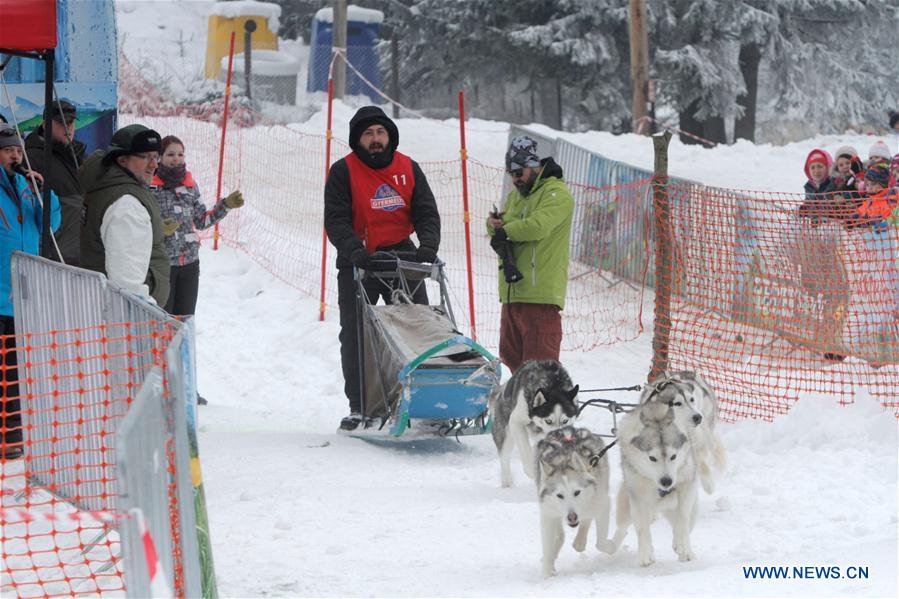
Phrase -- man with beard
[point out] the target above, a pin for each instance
(535, 228)
(375, 197)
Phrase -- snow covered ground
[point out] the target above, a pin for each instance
(296, 510)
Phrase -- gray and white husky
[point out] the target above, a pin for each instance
(660, 475)
(539, 398)
(573, 489)
(696, 411)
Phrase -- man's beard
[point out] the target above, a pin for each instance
(376, 148)
(524, 186)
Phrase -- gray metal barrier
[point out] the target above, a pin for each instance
(103, 407)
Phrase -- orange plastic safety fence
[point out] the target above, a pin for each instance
(774, 295)
(58, 455)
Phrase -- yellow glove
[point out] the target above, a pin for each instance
(233, 200)
(169, 226)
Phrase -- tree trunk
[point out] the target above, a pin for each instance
(750, 57)
(689, 124)
(711, 129)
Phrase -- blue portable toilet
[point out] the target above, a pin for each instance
(86, 73)
(362, 35)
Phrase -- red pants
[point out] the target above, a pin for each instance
(529, 332)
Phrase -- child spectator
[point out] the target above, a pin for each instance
(876, 335)
(842, 161)
(894, 172)
(877, 209)
(823, 201)
(879, 152)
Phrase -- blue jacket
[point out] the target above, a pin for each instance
(20, 228)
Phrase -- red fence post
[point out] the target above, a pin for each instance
(321, 306)
(218, 187)
(463, 153)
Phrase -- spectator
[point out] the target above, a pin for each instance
(841, 167)
(182, 214)
(879, 152)
(68, 154)
(821, 269)
(880, 201)
(21, 223)
(894, 172)
(536, 221)
(821, 200)
(122, 233)
(375, 197)
(876, 337)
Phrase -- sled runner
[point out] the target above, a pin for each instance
(418, 373)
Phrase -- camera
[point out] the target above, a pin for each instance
(503, 247)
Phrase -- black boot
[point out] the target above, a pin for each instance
(351, 422)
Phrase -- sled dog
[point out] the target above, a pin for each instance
(572, 489)
(660, 475)
(537, 399)
(696, 412)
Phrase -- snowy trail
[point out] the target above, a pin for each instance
(291, 518)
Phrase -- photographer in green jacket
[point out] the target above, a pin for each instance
(532, 236)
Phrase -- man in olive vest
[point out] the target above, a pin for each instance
(121, 232)
(375, 197)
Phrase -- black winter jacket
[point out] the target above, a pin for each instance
(63, 179)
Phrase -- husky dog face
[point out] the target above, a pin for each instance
(569, 494)
(663, 450)
(678, 394)
(552, 408)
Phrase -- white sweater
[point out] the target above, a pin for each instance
(127, 234)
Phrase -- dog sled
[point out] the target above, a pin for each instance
(418, 374)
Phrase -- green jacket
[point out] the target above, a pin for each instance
(539, 225)
(103, 185)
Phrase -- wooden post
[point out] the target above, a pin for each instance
(663, 255)
(218, 187)
(338, 42)
(249, 27)
(395, 72)
(639, 63)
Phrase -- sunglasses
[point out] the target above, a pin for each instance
(516, 173)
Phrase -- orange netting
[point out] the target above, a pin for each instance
(772, 295)
(762, 302)
(58, 442)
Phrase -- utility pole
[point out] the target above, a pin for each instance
(395, 71)
(249, 27)
(639, 64)
(338, 42)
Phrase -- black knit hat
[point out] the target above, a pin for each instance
(133, 139)
(367, 116)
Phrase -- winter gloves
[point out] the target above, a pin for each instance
(169, 226)
(233, 200)
(360, 258)
(426, 254)
(503, 247)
